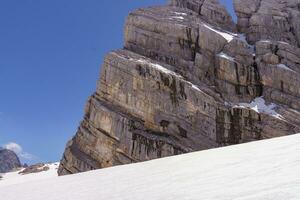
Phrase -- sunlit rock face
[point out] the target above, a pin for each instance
(186, 81)
(269, 19)
(274, 27)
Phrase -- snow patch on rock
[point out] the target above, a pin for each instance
(158, 67)
(180, 13)
(283, 66)
(177, 17)
(228, 36)
(265, 41)
(225, 56)
(259, 106)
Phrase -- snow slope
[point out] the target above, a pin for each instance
(264, 170)
(13, 178)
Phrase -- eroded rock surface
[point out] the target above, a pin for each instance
(186, 81)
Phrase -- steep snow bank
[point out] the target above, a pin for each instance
(268, 169)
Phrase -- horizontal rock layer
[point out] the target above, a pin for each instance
(185, 82)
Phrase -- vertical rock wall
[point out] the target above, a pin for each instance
(187, 81)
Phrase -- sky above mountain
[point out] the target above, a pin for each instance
(50, 57)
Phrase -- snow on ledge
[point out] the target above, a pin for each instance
(157, 66)
(283, 66)
(259, 106)
(195, 87)
(180, 13)
(282, 42)
(228, 36)
(167, 71)
(265, 41)
(177, 17)
(225, 56)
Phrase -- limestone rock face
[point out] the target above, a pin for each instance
(279, 67)
(185, 81)
(8, 161)
(209, 10)
(269, 19)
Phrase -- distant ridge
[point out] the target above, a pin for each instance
(8, 161)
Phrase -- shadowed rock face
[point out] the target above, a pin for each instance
(8, 161)
(182, 84)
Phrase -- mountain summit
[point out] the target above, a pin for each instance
(8, 161)
(189, 79)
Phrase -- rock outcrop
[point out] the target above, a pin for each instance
(187, 81)
(36, 168)
(269, 19)
(9, 161)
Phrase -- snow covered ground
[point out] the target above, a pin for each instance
(13, 178)
(264, 170)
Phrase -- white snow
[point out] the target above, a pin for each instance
(282, 42)
(180, 13)
(264, 170)
(13, 178)
(177, 17)
(158, 67)
(195, 87)
(223, 55)
(259, 105)
(283, 66)
(265, 41)
(228, 36)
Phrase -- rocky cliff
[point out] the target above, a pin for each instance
(189, 79)
(8, 161)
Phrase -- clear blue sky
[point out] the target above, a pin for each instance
(50, 57)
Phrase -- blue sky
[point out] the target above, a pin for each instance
(50, 57)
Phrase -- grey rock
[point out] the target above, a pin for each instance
(177, 85)
(209, 10)
(9, 161)
(281, 74)
(277, 20)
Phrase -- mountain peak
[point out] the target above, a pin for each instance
(8, 161)
(187, 81)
